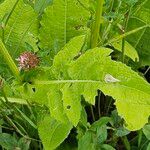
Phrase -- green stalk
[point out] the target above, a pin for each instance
(126, 143)
(9, 60)
(2, 35)
(140, 134)
(92, 112)
(106, 32)
(13, 125)
(99, 105)
(98, 19)
(119, 37)
(109, 105)
(147, 71)
(125, 28)
(123, 49)
(144, 144)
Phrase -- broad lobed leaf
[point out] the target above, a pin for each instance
(62, 21)
(131, 92)
(85, 76)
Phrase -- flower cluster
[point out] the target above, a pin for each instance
(27, 61)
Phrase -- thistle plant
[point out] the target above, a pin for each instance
(85, 92)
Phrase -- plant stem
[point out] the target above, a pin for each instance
(92, 112)
(98, 19)
(126, 143)
(13, 125)
(9, 60)
(99, 100)
(111, 6)
(123, 49)
(125, 28)
(4, 95)
(108, 108)
(146, 142)
(119, 37)
(147, 70)
(2, 35)
(139, 138)
(106, 32)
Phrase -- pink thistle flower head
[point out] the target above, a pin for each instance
(27, 61)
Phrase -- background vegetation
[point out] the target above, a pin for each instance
(90, 90)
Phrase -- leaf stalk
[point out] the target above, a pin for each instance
(126, 143)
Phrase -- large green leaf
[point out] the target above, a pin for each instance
(21, 28)
(85, 75)
(90, 72)
(140, 40)
(131, 92)
(62, 21)
(53, 132)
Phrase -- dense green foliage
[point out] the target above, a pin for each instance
(90, 90)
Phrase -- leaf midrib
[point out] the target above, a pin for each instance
(37, 82)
